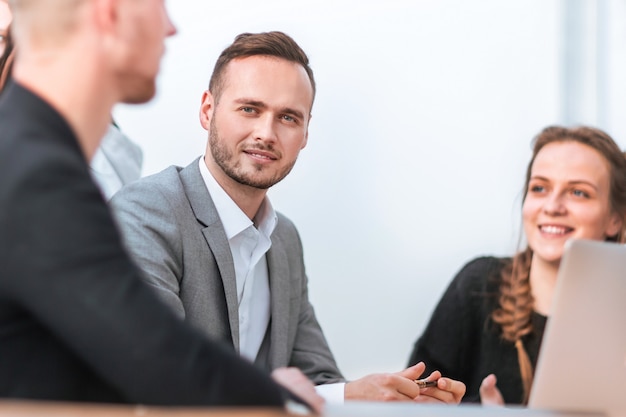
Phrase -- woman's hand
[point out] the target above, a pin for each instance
(489, 392)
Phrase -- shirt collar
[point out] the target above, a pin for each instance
(233, 218)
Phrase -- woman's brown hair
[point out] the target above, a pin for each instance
(515, 308)
(6, 60)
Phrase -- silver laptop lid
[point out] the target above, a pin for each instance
(582, 362)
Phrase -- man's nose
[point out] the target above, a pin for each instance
(265, 128)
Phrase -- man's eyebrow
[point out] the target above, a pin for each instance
(262, 105)
(293, 112)
(250, 101)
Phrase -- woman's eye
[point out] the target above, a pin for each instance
(537, 188)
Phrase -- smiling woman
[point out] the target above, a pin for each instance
(489, 324)
(568, 196)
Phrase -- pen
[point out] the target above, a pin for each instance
(422, 383)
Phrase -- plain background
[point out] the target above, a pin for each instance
(419, 141)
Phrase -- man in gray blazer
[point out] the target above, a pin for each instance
(208, 240)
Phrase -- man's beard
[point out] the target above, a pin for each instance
(223, 157)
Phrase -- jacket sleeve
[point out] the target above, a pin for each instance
(151, 236)
(309, 349)
(311, 352)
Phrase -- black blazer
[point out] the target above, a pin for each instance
(76, 322)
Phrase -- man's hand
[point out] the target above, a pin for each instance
(448, 391)
(489, 392)
(401, 386)
(398, 386)
(295, 381)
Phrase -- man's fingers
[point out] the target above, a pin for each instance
(294, 380)
(447, 391)
(454, 387)
(413, 372)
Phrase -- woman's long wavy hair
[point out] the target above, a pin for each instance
(6, 60)
(515, 308)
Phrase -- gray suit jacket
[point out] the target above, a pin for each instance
(117, 162)
(174, 234)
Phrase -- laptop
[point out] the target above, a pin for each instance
(582, 362)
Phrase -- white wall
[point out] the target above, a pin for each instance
(419, 140)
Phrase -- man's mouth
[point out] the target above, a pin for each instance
(261, 154)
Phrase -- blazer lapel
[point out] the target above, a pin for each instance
(278, 272)
(204, 210)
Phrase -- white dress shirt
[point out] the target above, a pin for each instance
(248, 245)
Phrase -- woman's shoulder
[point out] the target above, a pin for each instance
(486, 263)
(481, 274)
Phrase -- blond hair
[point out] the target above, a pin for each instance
(44, 22)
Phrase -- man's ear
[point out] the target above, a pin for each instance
(206, 110)
(306, 139)
(306, 134)
(106, 14)
(107, 20)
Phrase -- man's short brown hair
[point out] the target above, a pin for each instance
(273, 44)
